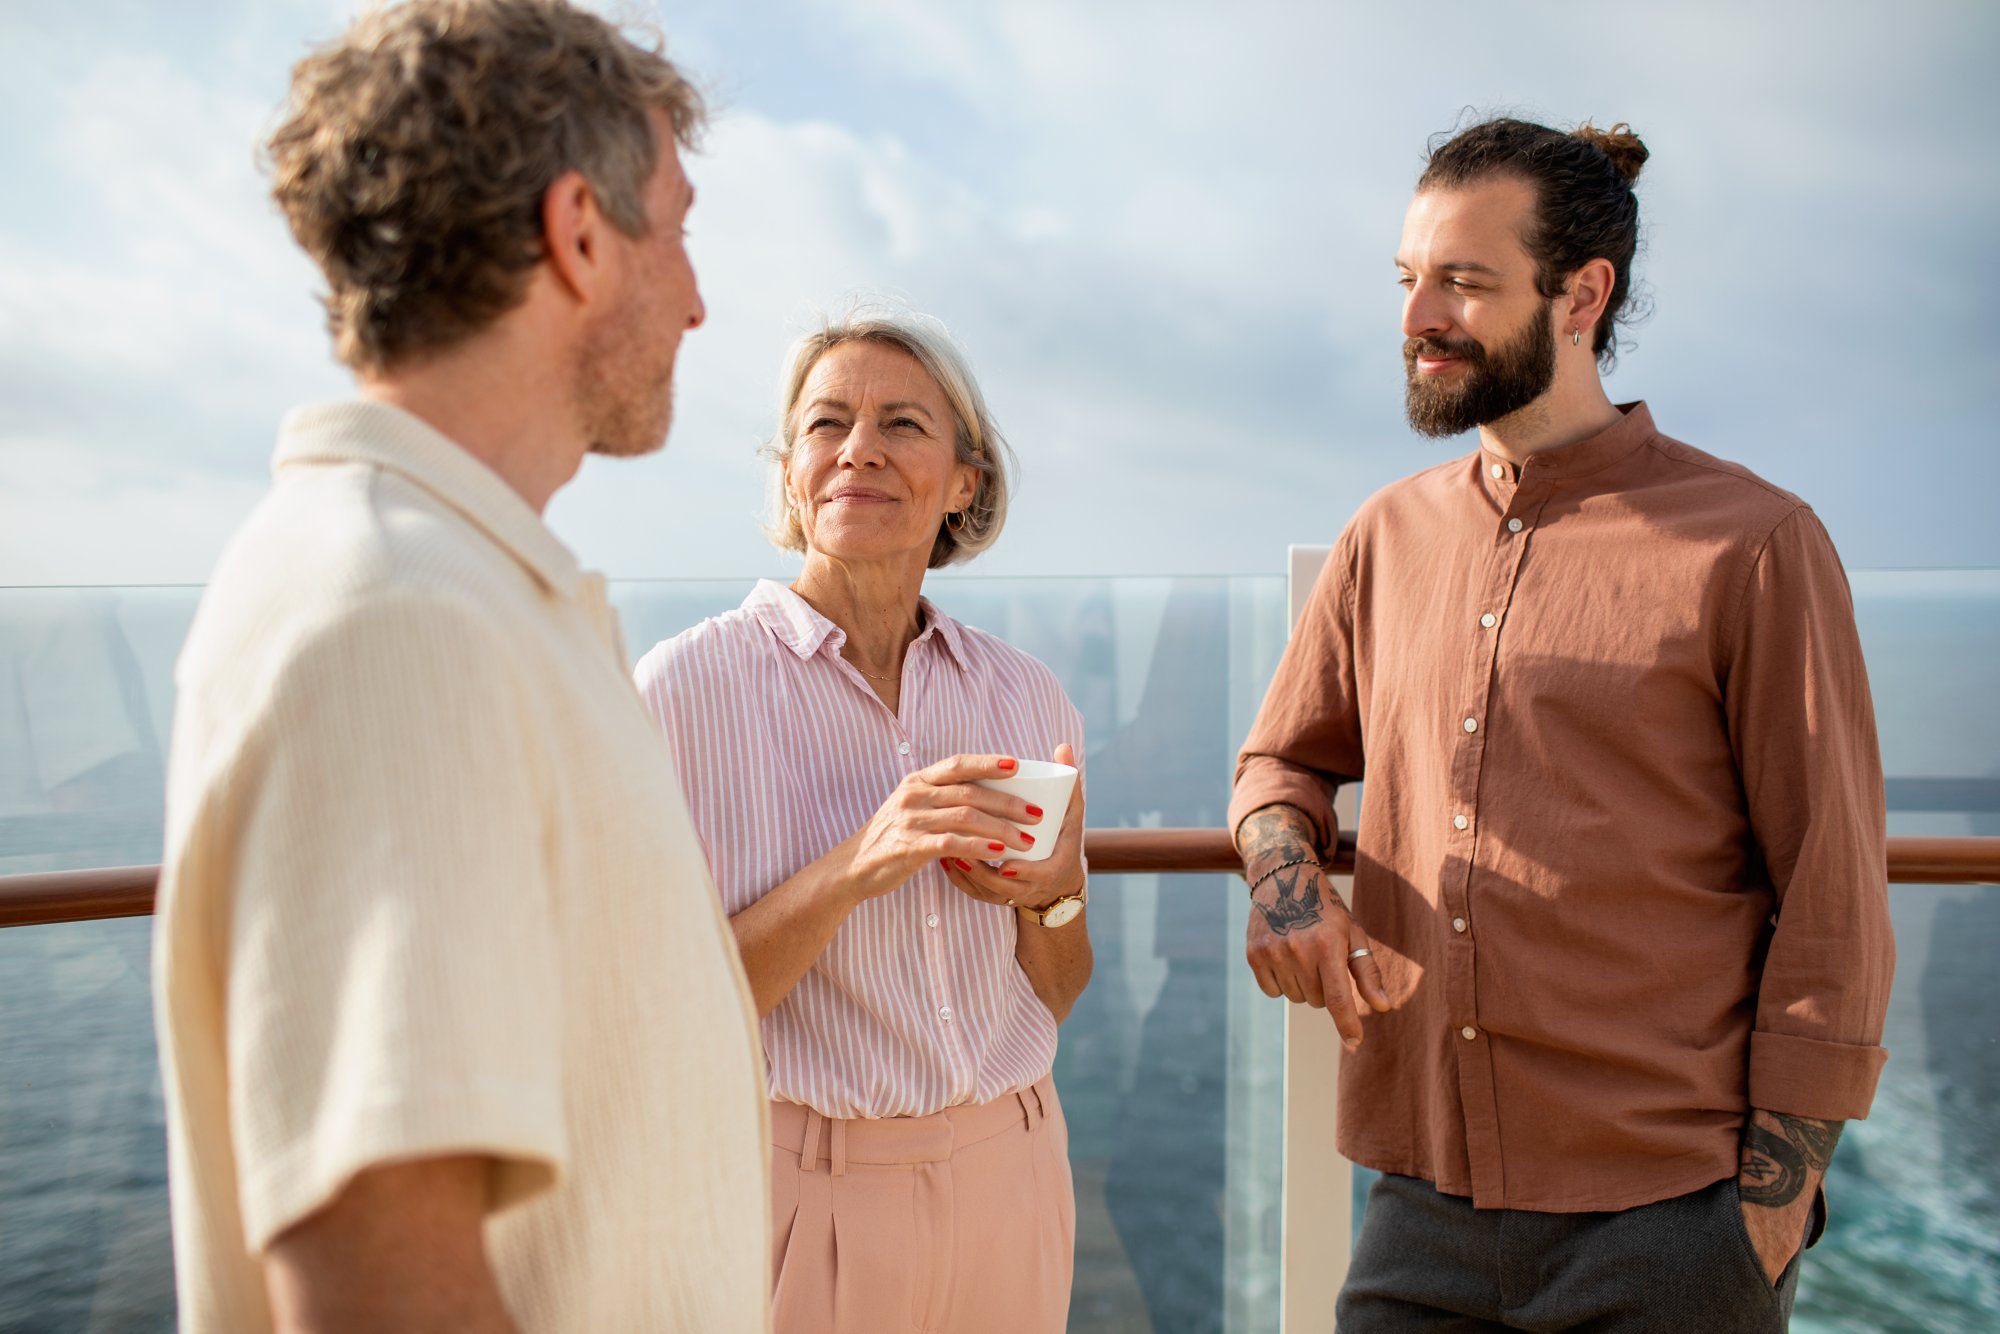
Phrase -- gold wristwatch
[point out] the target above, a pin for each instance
(1062, 912)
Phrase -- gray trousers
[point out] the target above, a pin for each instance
(1430, 1261)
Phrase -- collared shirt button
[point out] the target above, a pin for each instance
(1499, 471)
(1489, 620)
(944, 1013)
(1459, 822)
(1468, 1032)
(1513, 525)
(1472, 724)
(902, 747)
(1458, 924)
(930, 920)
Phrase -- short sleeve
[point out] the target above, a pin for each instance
(392, 988)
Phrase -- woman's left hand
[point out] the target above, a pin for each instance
(1019, 884)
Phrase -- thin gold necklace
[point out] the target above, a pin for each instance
(873, 676)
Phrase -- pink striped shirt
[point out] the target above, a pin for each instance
(917, 1003)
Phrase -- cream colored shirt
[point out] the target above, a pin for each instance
(431, 888)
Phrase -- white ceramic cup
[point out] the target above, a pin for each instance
(1040, 783)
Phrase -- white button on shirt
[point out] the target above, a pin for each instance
(1458, 924)
(1472, 724)
(1468, 1032)
(1513, 525)
(917, 1003)
(1459, 822)
(1489, 620)
(1498, 472)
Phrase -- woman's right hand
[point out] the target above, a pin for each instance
(939, 814)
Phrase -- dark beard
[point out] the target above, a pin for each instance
(1495, 385)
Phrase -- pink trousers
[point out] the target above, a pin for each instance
(962, 1222)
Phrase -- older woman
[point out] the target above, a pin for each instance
(830, 735)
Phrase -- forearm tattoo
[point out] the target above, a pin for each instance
(1274, 834)
(1778, 1165)
(1272, 837)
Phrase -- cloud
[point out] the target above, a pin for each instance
(1163, 234)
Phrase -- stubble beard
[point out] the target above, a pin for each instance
(624, 390)
(1495, 384)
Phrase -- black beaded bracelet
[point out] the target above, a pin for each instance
(1282, 866)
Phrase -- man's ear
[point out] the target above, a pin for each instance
(1589, 293)
(575, 230)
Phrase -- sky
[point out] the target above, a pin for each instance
(1163, 232)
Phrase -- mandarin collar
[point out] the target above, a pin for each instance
(800, 627)
(1593, 454)
(385, 436)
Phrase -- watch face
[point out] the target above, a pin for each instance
(1062, 912)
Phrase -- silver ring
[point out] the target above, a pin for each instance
(1010, 903)
(1361, 953)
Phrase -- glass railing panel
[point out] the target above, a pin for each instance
(1914, 1191)
(1174, 1234)
(83, 1206)
(86, 696)
(1171, 1067)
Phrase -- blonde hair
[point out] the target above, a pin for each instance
(417, 147)
(976, 438)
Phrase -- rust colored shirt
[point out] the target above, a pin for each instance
(1622, 832)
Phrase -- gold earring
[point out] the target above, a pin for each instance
(958, 527)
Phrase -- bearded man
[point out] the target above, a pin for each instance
(1620, 927)
(454, 1032)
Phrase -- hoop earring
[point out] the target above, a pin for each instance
(1575, 337)
(958, 527)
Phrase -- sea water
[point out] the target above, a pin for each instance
(1170, 1066)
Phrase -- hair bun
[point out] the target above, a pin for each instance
(1618, 143)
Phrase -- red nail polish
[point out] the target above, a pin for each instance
(1010, 874)
(997, 847)
(964, 865)
(1006, 764)
(1030, 838)
(1034, 812)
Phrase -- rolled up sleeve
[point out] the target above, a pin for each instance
(1802, 724)
(1306, 740)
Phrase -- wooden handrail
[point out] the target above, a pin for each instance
(127, 891)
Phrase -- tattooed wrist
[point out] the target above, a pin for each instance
(1783, 1158)
(1281, 866)
(1272, 835)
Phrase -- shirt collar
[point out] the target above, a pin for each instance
(799, 627)
(1613, 444)
(384, 436)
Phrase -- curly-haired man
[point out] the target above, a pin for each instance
(1620, 922)
(453, 1030)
